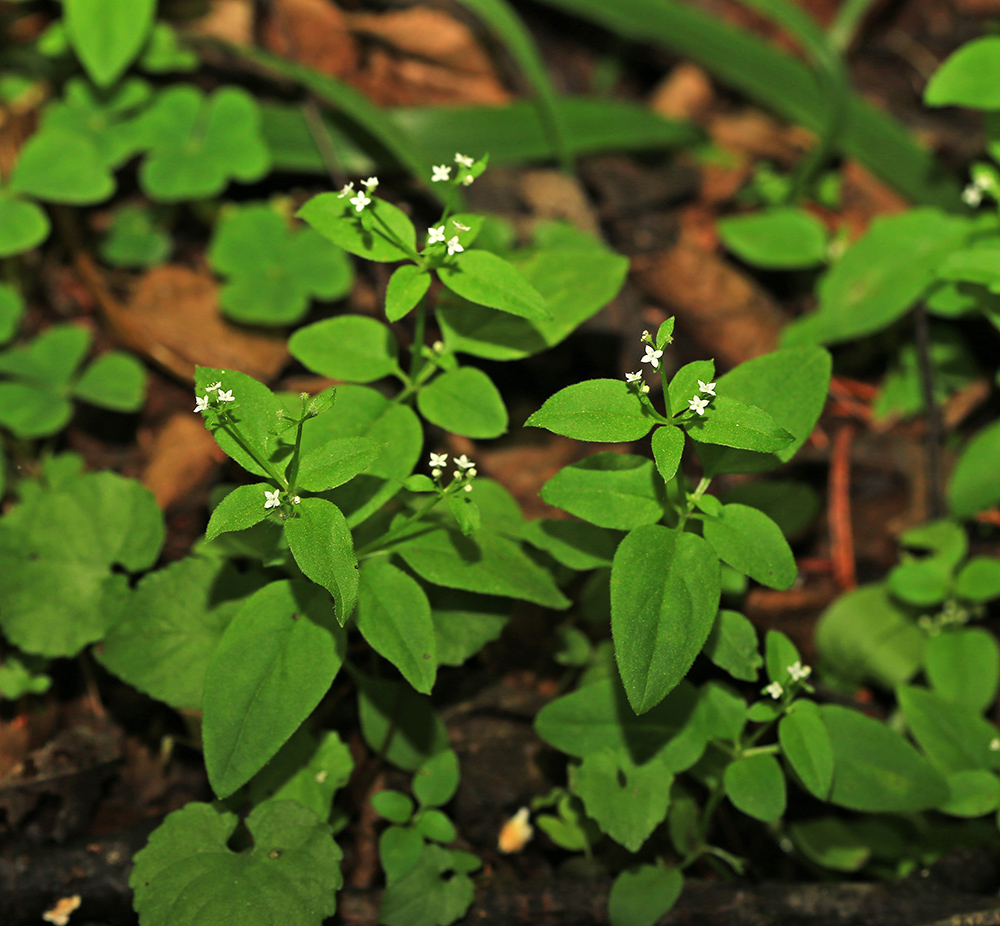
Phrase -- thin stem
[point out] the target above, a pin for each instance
(293, 466)
(419, 333)
(845, 26)
(398, 530)
(932, 412)
(693, 498)
(394, 238)
(234, 432)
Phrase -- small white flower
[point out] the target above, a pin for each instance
(213, 387)
(645, 389)
(202, 403)
(995, 744)
(435, 472)
(454, 246)
(371, 184)
(645, 337)
(460, 226)
(463, 160)
(774, 690)
(652, 356)
(471, 473)
(438, 460)
(296, 500)
(633, 377)
(468, 488)
(434, 235)
(463, 462)
(972, 195)
(697, 405)
(706, 388)
(457, 474)
(441, 172)
(346, 190)
(226, 396)
(799, 672)
(272, 498)
(360, 201)
(467, 179)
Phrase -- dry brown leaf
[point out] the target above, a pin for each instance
(685, 93)
(551, 194)
(229, 20)
(314, 33)
(182, 456)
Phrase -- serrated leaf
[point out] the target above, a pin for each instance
(486, 279)
(603, 410)
(464, 401)
(352, 348)
(107, 35)
(749, 541)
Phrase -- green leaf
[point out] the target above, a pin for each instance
(399, 849)
(464, 401)
(51, 359)
(407, 286)
(732, 646)
(394, 616)
(575, 544)
(393, 806)
(923, 583)
(756, 785)
(30, 411)
(793, 506)
(969, 77)
(881, 276)
(187, 872)
(486, 279)
(805, 743)
(465, 623)
(43, 170)
(604, 410)
(387, 236)
(107, 35)
(827, 841)
(240, 509)
(436, 781)
(23, 225)
(665, 590)
(337, 461)
(134, 239)
(398, 723)
(643, 896)
(973, 485)
(780, 238)
(435, 825)
(974, 792)
(732, 423)
(616, 490)
(164, 53)
(275, 661)
(488, 564)
(963, 665)
(274, 271)
(628, 801)
(323, 547)
(352, 348)
(978, 580)
(115, 380)
(428, 894)
(21, 674)
(668, 445)
(752, 543)
(875, 770)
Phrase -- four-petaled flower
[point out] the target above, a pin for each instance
(706, 388)
(346, 190)
(272, 498)
(463, 462)
(440, 172)
(799, 672)
(202, 403)
(460, 226)
(438, 460)
(633, 377)
(463, 160)
(360, 201)
(226, 396)
(434, 235)
(652, 356)
(213, 387)
(454, 246)
(697, 405)
(774, 690)
(296, 500)
(370, 184)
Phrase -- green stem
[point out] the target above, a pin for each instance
(841, 33)
(234, 432)
(293, 466)
(693, 498)
(391, 235)
(398, 530)
(419, 333)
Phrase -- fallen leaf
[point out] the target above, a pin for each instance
(182, 456)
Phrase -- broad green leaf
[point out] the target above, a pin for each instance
(434, 825)
(615, 490)
(387, 235)
(643, 896)
(575, 544)
(665, 591)
(171, 626)
(436, 781)
(978, 580)
(875, 770)
(32, 411)
(975, 264)
(464, 401)
(43, 170)
(23, 225)
(756, 785)
(352, 348)
(394, 616)
(21, 674)
(793, 506)
(430, 893)
(780, 655)
(488, 564)
(187, 872)
(829, 842)
(954, 737)
(115, 380)
(604, 410)
(963, 665)
(721, 713)
(275, 661)
(398, 723)
(50, 360)
(973, 485)
(974, 792)
(923, 583)
(628, 801)
(486, 279)
(780, 238)
(393, 806)
(323, 547)
(107, 35)
(240, 509)
(969, 77)
(399, 849)
(731, 423)
(732, 646)
(751, 542)
(164, 54)
(135, 240)
(805, 743)
(337, 461)
(407, 286)
(465, 623)
(668, 445)
(881, 276)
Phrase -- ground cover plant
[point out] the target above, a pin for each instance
(298, 637)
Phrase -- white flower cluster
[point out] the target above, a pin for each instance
(273, 499)
(796, 672)
(441, 173)
(696, 403)
(361, 198)
(208, 400)
(466, 468)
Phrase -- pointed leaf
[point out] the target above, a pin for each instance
(464, 401)
(596, 410)
(484, 278)
(240, 509)
(748, 540)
